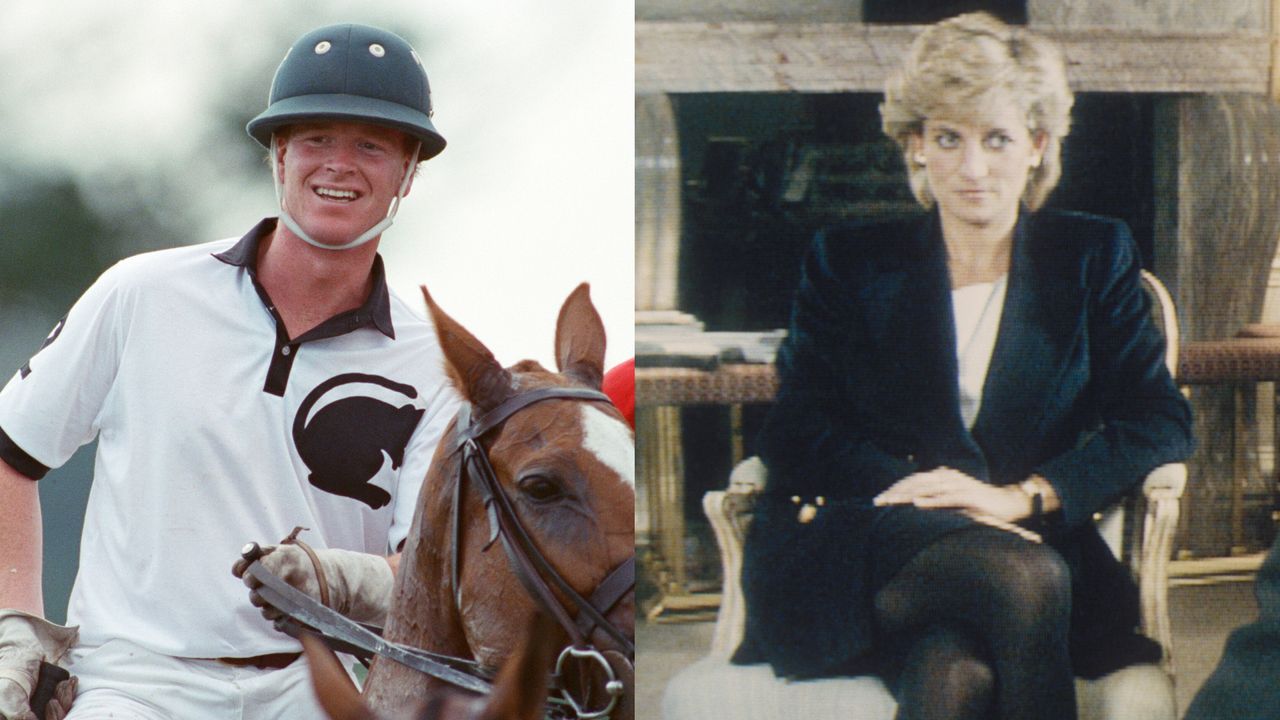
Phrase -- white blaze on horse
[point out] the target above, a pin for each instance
(560, 460)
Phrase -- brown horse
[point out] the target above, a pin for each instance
(568, 468)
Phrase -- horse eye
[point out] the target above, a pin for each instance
(540, 488)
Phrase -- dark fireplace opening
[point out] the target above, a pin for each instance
(921, 12)
(763, 172)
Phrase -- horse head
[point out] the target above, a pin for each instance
(567, 467)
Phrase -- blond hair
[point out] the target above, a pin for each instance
(955, 67)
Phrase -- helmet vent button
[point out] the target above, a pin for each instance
(323, 47)
(377, 50)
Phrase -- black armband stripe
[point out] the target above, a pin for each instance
(19, 459)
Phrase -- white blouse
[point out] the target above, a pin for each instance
(977, 315)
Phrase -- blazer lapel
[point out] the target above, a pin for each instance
(919, 337)
(1039, 327)
(918, 349)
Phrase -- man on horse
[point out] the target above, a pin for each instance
(237, 389)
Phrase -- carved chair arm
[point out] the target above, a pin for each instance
(729, 512)
(1162, 493)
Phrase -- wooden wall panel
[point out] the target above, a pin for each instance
(690, 56)
(1219, 194)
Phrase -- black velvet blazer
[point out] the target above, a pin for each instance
(1076, 391)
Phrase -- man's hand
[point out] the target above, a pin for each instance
(25, 640)
(358, 585)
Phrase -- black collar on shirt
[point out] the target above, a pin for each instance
(375, 312)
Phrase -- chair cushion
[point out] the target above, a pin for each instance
(1138, 692)
(713, 688)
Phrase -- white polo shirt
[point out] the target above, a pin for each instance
(214, 429)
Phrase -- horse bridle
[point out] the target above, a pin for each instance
(527, 562)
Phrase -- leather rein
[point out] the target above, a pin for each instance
(535, 573)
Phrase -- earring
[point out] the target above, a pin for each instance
(919, 158)
(1035, 163)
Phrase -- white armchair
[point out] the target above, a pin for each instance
(1139, 531)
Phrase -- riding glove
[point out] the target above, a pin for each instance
(25, 640)
(358, 585)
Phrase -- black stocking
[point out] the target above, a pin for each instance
(941, 673)
(978, 620)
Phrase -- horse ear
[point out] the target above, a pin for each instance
(473, 369)
(580, 339)
(520, 690)
(337, 693)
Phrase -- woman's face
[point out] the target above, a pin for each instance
(978, 169)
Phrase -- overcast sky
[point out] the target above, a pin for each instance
(535, 97)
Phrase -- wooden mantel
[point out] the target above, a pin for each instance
(704, 57)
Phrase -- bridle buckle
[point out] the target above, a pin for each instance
(613, 686)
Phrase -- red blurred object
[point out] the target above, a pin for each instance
(620, 386)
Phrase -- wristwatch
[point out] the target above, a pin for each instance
(1031, 488)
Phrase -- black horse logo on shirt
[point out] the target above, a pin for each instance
(344, 442)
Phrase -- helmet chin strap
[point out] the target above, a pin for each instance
(360, 239)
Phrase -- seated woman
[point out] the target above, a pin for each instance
(959, 394)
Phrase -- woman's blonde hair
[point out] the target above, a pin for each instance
(957, 66)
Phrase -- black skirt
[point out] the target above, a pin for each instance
(810, 586)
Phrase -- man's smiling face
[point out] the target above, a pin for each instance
(340, 177)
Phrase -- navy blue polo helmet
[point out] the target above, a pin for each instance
(351, 72)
